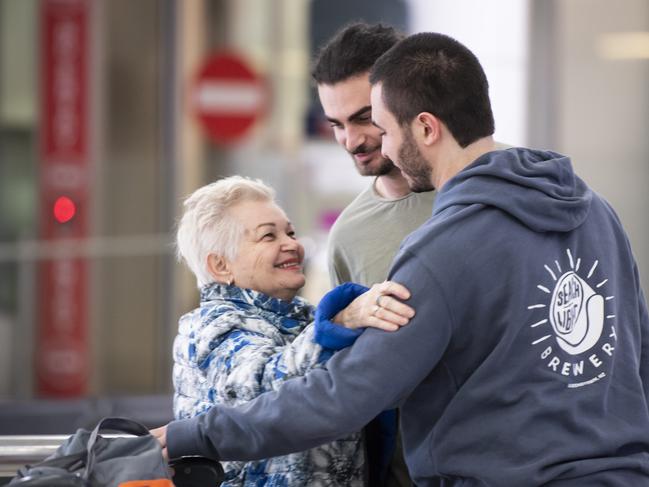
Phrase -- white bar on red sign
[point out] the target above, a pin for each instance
(229, 97)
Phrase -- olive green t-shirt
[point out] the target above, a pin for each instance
(368, 233)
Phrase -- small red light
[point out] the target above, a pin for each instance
(64, 209)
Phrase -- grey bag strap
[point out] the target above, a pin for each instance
(123, 425)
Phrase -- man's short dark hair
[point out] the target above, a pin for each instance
(352, 51)
(430, 72)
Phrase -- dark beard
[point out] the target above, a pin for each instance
(384, 168)
(416, 170)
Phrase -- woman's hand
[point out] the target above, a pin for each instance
(380, 307)
(160, 434)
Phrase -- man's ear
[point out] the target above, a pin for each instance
(219, 268)
(427, 128)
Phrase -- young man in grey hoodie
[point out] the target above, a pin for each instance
(527, 362)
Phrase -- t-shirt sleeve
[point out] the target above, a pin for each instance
(339, 270)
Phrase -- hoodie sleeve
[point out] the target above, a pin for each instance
(644, 331)
(246, 364)
(378, 372)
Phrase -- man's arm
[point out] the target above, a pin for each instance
(378, 372)
(643, 317)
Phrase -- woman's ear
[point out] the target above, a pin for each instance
(219, 269)
(427, 127)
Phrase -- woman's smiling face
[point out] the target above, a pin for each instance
(269, 258)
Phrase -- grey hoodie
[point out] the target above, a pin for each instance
(526, 363)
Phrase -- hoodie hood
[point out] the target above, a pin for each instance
(538, 188)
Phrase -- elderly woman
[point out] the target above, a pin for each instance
(251, 332)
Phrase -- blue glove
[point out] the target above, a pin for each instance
(327, 333)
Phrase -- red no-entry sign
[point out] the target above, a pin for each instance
(228, 97)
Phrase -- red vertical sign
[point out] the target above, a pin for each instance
(62, 338)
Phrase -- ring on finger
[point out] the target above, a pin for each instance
(375, 309)
(378, 300)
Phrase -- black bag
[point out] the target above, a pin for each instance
(88, 459)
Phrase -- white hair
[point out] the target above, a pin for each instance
(206, 226)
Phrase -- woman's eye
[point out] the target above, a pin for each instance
(268, 236)
(291, 234)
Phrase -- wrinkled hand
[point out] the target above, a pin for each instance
(380, 307)
(160, 434)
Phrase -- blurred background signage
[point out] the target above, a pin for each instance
(61, 355)
(228, 97)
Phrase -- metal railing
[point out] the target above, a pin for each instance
(16, 451)
(89, 248)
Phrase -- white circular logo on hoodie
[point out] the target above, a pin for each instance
(576, 314)
(576, 335)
